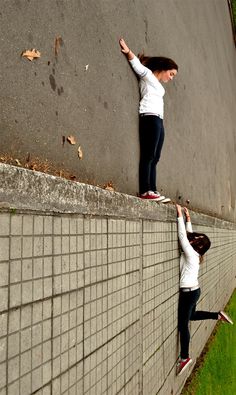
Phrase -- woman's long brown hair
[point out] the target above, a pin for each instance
(200, 242)
(158, 63)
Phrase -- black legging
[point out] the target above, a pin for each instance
(187, 312)
(151, 134)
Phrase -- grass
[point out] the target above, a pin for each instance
(215, 371)
(234, 14)
(234, 9)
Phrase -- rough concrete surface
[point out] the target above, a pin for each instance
(22, 189)
(57, 95)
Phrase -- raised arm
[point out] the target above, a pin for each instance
(188, 221)
(136, 65)
(125, 49)
(185, 245)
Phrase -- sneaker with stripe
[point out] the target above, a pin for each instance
(164, 199)
(182, 365)
(224, 317)
(150, 195)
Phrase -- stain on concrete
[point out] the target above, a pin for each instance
(60, 90)
(52, 82)
(146, 30)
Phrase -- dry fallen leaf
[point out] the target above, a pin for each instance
(71, 140)
(33, 166)
(31, 54)
(80, 152)
(18, 162)
(58, 43)
(109, 187)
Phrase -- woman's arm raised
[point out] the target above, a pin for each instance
(135, 63)
(188, 220)
(125, 49)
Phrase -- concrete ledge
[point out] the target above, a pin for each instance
(24, 189)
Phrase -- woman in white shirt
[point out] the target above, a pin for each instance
(151, 71)
(194, 246)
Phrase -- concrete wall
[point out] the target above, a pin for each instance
(55, 96)
(89, 288)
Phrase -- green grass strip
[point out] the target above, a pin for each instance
(234, 11)
(215, 371)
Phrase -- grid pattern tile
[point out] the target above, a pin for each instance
(67, 331)
(29, 347)
(88, 305)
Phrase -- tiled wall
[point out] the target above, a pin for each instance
(88, 305)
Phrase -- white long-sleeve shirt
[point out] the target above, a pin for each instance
(190, 259)
(151, 90)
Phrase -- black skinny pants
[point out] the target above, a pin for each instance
(187, 312)
(151, 135)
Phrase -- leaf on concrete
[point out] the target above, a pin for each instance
(31, 54)
(71, 140)
(58, 43)
(80, 153)
(33, 166)
(109, 187)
